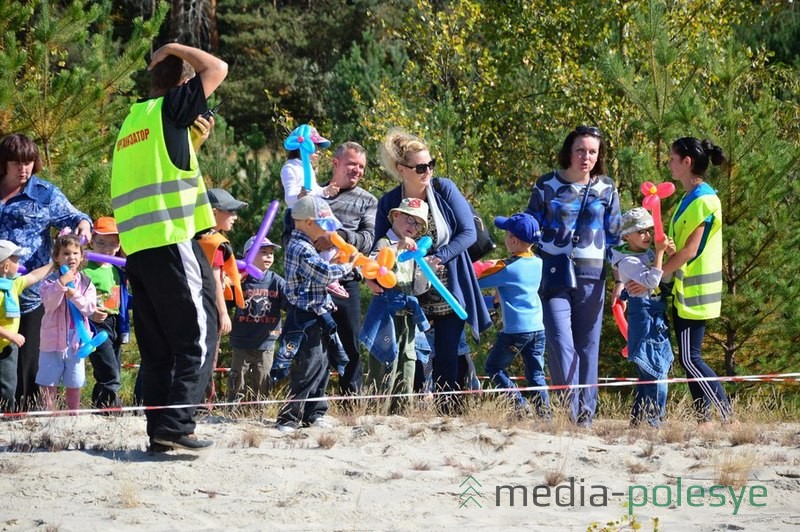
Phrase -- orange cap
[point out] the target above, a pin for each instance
(106, 225)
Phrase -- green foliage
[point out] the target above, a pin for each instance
(61, 72)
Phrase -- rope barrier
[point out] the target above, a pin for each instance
(771, 377)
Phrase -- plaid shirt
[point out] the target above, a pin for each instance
(308, 275)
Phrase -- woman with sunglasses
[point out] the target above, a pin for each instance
(577, 208)
(452, 229)
(696, 227)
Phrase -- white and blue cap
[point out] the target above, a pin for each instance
(8, 249)
(265, 243)
(317, 209)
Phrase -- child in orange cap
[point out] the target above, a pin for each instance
(111, 314)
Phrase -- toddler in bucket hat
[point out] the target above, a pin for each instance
(413, 207)
(522, 225)
(635, 220)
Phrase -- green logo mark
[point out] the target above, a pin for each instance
(470, 494)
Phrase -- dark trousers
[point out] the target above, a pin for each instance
(348, 325)
(690, 335)
(308, 377)
(106, 365)
(449, 371)
(27, 394)
(8, 378)
(176, 324)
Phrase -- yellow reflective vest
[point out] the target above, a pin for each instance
(697, 291)
(155, 203)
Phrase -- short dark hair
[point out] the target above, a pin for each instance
(565, 154)
(701, 152)
(18, 148)
(347, 146)
(169, 73)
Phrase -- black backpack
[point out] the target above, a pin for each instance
(484, 243)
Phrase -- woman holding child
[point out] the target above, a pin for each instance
(577, 208)
(696, 227)
(452, 229)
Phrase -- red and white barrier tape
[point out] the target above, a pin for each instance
(774, 377)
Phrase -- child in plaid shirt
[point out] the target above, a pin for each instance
(309, 331)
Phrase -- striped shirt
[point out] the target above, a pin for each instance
(308, 275)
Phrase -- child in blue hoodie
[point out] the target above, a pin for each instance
(517, 280)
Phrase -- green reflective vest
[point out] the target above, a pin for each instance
(155, 203)
(697, 291)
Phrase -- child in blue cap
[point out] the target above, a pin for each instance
(517, 281)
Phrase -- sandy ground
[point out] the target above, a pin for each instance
(396, 473)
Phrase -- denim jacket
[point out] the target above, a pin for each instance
(298, 321)
(648, 335)
(378, 333)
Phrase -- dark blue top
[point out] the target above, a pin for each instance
(258, 324)
(455, 210)
(26, 220)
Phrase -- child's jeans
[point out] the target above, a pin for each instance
(308, 374)
(531, 346)
(650, 400)
(649, 348)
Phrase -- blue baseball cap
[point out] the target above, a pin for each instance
(521, 225)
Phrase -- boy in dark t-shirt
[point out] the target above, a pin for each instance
(256, 327)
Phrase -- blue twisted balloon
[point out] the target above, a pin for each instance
(423, 245)
(300, 139)
(88, 344)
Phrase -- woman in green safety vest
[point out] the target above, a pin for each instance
(696, 227)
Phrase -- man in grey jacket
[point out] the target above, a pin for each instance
(355, 208)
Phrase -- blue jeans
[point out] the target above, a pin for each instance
(531, 346)
(650, 400)
(572, 324)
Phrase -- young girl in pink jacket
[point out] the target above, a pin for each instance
(59, 341)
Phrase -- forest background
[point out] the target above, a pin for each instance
(493, 86)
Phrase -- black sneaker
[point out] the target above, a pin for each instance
(188, 442)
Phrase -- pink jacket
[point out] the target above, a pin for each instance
(57, 320)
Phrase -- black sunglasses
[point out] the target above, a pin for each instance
(422, 167)
(589, 130)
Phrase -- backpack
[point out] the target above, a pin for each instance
(484, 243)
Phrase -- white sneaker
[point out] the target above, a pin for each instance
(322, 422)
(282, 427)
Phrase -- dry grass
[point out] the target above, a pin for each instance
(733, 469)
(495, 410)
(326, 440)
(395, 475)
(7, 467)
(129, 495)
(647, 451)
(416, 430)
(744, 433)
(676, 431)
(420, 465)
(252, 438)
(554, 477)
(610, 430)
(637, 467)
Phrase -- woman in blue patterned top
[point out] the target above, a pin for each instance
(573, 318)
(29, 208)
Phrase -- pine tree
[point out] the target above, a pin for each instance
(727, 94)
(64, 76)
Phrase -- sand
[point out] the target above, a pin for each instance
(395, 473)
